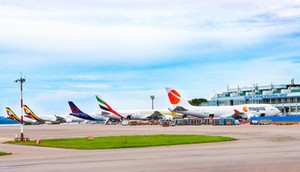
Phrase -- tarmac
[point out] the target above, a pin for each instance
(258, 148)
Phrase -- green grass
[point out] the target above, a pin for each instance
(4, 153)
(112, 142)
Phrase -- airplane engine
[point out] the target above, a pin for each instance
(68, 120)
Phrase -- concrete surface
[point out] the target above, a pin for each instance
(258, 148)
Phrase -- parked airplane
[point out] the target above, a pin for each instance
(13, 116)
(238, 111)
(86, 116)
(132, 114)
(51, 119)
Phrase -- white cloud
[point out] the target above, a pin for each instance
(290, 12)
(195, 46)
(131, 30)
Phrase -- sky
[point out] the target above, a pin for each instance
(127, 50)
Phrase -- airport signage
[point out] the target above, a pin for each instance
(267, 96)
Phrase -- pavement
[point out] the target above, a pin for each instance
(258, 148)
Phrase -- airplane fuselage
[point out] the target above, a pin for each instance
(140, 114)
(90, 116)
(227, 111)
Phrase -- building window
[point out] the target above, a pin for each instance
(273, 101)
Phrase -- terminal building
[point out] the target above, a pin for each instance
(285, 97)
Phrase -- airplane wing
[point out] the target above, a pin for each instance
(60, 119)
(178, 109)
(237, 114)
(156, 115)
(104, 113)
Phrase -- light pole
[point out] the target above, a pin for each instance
(152, 98)
(21, 80)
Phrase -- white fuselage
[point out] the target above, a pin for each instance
(71, 119)
(26, 119)
(56, 119)
(227, 111)
(139, 114)
(50, 118)
(90, 116)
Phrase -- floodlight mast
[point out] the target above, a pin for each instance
(152, 99)
(21, 80)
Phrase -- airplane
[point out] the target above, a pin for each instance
(12, 115)
(133, 114)
(50, 119)
(237, 111)
(86, 116)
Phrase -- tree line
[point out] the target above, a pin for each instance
(197, 101)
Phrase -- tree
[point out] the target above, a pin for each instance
(197, 102)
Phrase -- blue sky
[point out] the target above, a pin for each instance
(127, 50)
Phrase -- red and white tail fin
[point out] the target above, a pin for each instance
(175, 98)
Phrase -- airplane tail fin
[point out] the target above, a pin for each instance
(74, 108)
(236, 111)
(104, 106)
(29, 113)
(175, 98)
(12, 115)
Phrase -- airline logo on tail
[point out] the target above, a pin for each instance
(30, 114)
(12, 115)
(78, 113)
(74, 108)
(176, 99)
(173, 95)
(104, 106)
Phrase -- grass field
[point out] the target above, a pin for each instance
(4, 153)
(113, 142)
